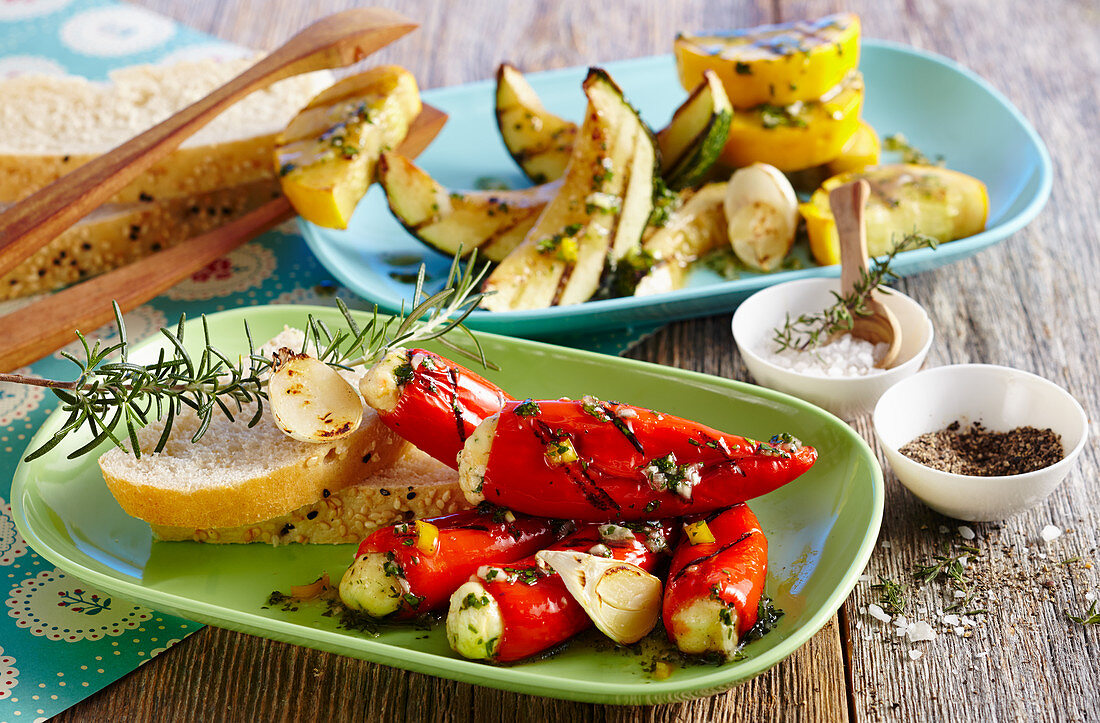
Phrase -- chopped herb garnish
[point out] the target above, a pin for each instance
(491, 183)
(892, 595)
(475, 601)
(742, 68)
(412, 600)
(909, 153)
(1089, 617)
(529, 408)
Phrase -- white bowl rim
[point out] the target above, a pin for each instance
(1065, 462)
(747, 350)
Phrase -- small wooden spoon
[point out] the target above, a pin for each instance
(337, 40)
(881, 326)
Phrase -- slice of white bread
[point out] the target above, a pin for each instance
(117, 234)
(415, 486)
(49, 125)
(239, 475)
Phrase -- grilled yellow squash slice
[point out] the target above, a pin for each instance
(595, 220)
(493, 222)
(904, 198)
(777, 64)
(327, 154)
(538, 140)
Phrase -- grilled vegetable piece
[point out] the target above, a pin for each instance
(596, 218)
(621, 599)
(904, 198)
(493, 222)
(412, 568)
(863, 149)
(693, 139)
(539, 141)
(310, 401)
(796, 136)
(777, 64)
(429, 400)
(510, 611)
(327, 154)
(696, 227)
(592, 460)
(714, 588)
(762, 215)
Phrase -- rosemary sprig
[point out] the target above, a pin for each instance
(1089, 617)
(893, 596)
(812, 330)
(909, 153)
(113, 397)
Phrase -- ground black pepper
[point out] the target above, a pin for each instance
(979, 452)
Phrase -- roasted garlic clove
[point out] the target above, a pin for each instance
(310, 401)
(762, 213)
(623, 600)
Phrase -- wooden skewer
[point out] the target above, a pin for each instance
(40, 328)
(337, 40)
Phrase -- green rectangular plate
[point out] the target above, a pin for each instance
(821, 529)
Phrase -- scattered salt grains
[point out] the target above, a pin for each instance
(920, 631)
(959, 630)
(844, 357)
(878, 613)
(865, 578)
(943, 529)
(1090, 596)
(914, 653)
(981, 654)
(950, 619)
(966, 532)
(1050, 532)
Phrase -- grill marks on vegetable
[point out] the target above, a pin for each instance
(744, 536)
(577, 471)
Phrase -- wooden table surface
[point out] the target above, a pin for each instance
(1031, 303)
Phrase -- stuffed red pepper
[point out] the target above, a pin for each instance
(509, 611)
(429, 400)
(592, 460)
(715, 582)
(412, 568)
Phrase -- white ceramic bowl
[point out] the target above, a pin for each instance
(761, 313)
(1001, 399)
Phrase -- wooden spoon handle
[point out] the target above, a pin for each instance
(334, 41)
(36, 330)
(847, 203)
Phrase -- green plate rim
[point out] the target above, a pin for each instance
(514, 678)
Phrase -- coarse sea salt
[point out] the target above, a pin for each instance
(878, 613)
(846, 356)
(920, 631)
(1050, 532)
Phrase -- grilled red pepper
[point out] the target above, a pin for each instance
(510, 611)
(429, 400)
(412, 568)
(593, 460)
(713, 591)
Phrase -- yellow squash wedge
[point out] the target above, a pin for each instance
(326, 156)
(539, 141)
(904, 198)
(799, 135)
(493, 222)
(863, 149)
(595, 220)
(777, 64)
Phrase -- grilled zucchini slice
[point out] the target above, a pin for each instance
(493, 222)
(539, 141)
(694, 138)
(326, 156)
(597, 217)
(696, 227)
